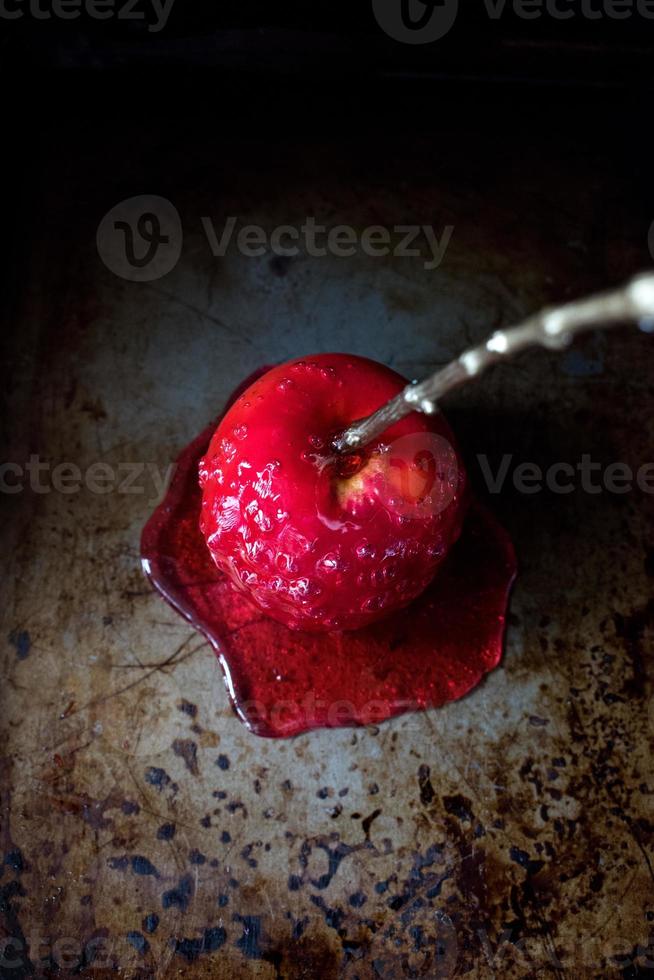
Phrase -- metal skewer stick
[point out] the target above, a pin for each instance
(554, 327)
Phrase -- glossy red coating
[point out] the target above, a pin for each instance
(283, 681)
(320, 541)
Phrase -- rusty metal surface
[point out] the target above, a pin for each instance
(507, 835)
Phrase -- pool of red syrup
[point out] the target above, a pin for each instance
(282, 682)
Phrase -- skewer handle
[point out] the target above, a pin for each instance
(554, 328)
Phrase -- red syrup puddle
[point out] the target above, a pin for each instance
(283, 682)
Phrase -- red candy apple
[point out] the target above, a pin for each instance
(322, 541)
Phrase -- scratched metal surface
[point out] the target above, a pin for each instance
(507, 835)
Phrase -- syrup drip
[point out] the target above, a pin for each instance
(282, 682)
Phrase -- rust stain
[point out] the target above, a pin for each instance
(510, 834)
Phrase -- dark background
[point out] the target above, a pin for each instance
(273, 73)
(533, 140)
